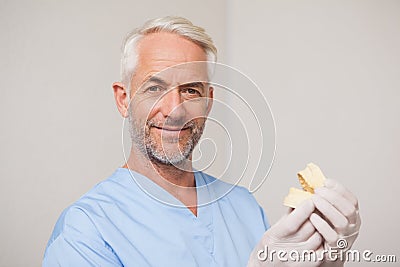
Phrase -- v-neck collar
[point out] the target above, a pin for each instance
(159, 194)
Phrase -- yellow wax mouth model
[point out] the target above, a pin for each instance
(310, 178)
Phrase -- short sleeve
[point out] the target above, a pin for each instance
(265, 219)
(76, 242)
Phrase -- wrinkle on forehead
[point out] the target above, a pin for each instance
(182, 74)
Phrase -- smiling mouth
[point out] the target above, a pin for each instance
(171, 129)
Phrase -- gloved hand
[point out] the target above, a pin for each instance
(294, 231)
(340, 220)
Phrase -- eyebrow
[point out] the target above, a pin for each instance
(157, 80)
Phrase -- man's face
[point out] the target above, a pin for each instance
(169, 94)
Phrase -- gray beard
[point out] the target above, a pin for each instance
(141, 138)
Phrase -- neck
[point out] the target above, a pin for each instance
(179, 182)
(162, 174)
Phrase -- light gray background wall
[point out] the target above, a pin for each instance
(330, 70)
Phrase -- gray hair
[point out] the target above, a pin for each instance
(177, 25)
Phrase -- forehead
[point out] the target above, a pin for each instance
(169, 47)
(162, 51)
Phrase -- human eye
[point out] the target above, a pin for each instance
(190, 93)
(192, 90)
(154, 89)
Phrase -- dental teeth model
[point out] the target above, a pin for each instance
(310, 178)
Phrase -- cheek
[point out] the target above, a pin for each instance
(196, 110)
(143, 109)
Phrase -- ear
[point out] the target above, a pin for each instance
(121, 98)
(210, 99)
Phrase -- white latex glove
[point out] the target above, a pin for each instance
(294, 231)
(340, 220)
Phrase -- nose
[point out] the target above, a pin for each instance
(171, 104)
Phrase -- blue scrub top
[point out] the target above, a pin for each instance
(128, 220)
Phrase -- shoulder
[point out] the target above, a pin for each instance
(80, 217)
(76, 241)
(72, 222)
(237, 198)
(239, 195)
(228, 190)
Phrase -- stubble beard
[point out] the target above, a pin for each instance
(155, 151)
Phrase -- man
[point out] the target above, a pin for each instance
(156, 210)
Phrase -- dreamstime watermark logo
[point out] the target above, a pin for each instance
(214, 118)
(341, 243)
(338, 253)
